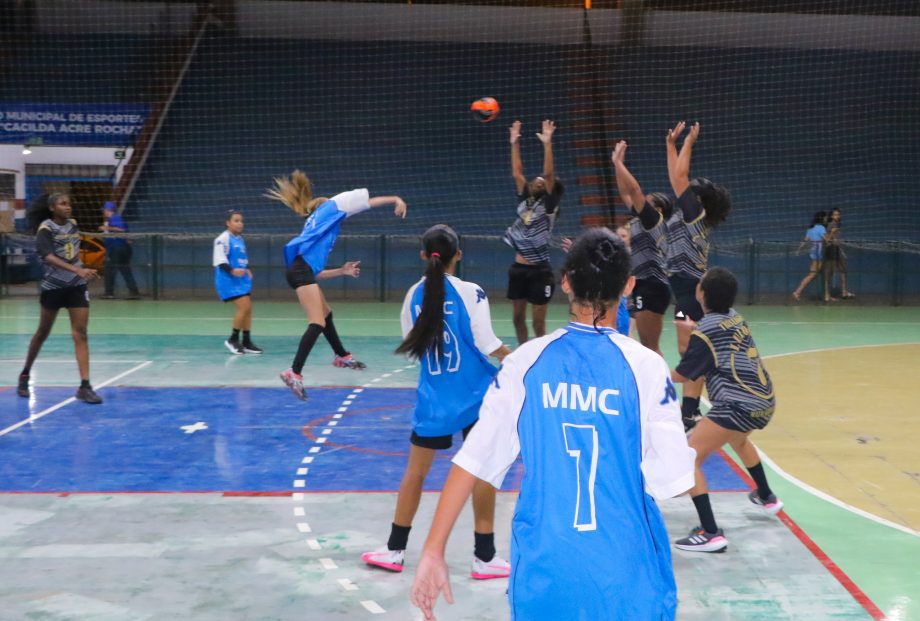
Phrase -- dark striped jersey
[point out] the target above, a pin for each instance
(688, 237)
(648, 245)
(63, 241)
(531, 232)
(722, 348)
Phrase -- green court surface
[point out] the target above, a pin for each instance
(878, 554)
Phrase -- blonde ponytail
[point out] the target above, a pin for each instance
(296, 192)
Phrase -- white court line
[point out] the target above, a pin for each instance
(304, 527)
(373, 607)
(72, 361)
(314, 544)
(347, 584)
(65, 402)
(328, 563)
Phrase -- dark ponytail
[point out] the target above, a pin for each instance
(715, 198)
(440, 243)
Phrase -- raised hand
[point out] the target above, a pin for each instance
(514, 132)
(693, 135)
(619, 152)
(546, 135)
(674, 134)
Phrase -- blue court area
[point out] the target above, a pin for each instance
(246, 439)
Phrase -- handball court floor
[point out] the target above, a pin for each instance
(201, 489)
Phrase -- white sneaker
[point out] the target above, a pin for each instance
(391, 560)
(496, 568)
(235, 348)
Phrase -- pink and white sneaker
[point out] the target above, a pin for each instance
(391, 560)
(770, 506)
(295, 383)
(348, 362)
(496, 568)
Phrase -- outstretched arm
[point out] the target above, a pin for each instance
(400, 205)
(432, 577)
(349, 268)
(517, 167)
(549, 168)
(679, 163)
(629, 188)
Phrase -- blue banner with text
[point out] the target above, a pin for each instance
(115, 125)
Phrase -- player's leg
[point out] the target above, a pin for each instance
(343, 357)
(519, 319)
(684, 325)
(763, 496)
(707, 438)
(421, 455)
(311, 301)
(242, 320)
(538, 318)
(486, 563)
(126, 273)
(813, 271)
(649, 326)
(45, 323)
(79, 320)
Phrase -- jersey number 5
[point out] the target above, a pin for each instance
(581, 444)
(451, 354)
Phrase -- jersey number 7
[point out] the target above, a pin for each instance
(581, 444)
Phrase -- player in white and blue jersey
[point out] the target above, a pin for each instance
(594, 416)
(233, 282)
(701, 206)
(447, 327)
(306, 255)
(723, 351)
(648, 235)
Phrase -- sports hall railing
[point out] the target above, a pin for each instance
(175, 267)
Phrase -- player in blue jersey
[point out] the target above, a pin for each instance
(722, 350)
(701, 206)
(815, 238)
(594, 416)
(447, 327)
(233, 282)
(306, 255)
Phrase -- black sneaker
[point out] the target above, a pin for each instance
(770, 506)
(86, 394)
(234, 346)
(23, 388)
(251, 348)
(700, 541)
(690, 423)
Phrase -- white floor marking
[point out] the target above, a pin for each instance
(337, 416)
(199, 426)
(315, 449)
(347, 584)
(300, 483)
(302, 471)
(320, 441)
(304, 527)
(373, 607)
(314, 544)
(332, 423)
(306, 460)
(297, 496)
(299, 511)
(325, 432)
(65, 402)
(328, 563)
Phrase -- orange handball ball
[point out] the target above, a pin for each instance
(485, 109)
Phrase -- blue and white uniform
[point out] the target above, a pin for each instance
(595, 418)
(451, 387)
(815, 236)
(321, 229)
(230, 249)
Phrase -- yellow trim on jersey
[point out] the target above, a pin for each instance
(712, 348)
(760, 374)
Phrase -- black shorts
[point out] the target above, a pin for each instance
(68, 297)
(437, 443)
(235, 297)
(300, 274)
(684, 289)
(534, 283)
(735, 420)
(650, 295)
